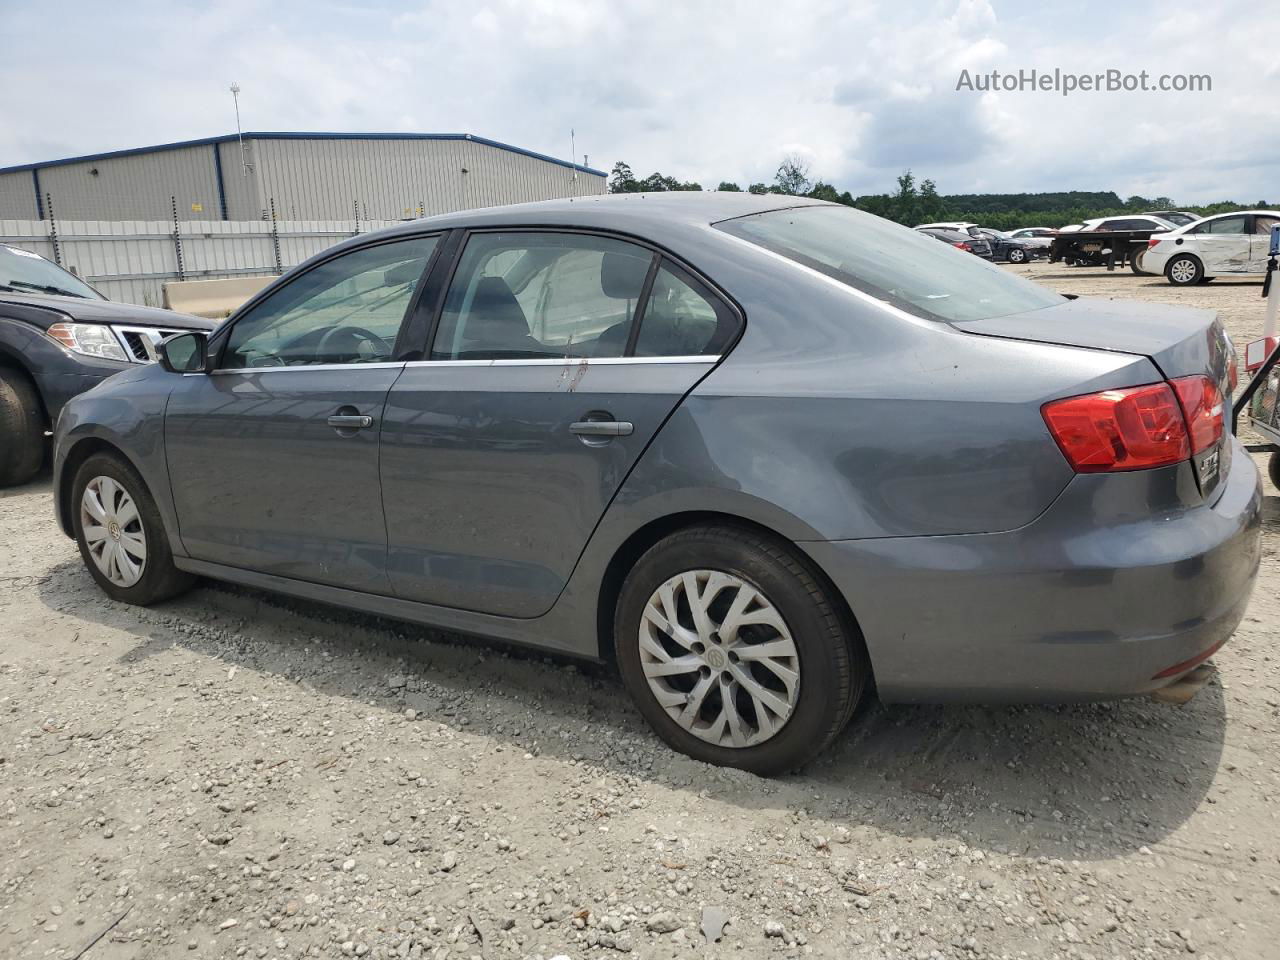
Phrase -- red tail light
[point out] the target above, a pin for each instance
(1137, 428)
(1152, 241)
(1130, 429)
(1201, 402)
(962, 246)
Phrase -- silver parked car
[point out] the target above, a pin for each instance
(763, 451)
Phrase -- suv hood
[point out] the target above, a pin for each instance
(105, 311)
(1181, 341)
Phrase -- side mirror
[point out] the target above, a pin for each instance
(184, 353)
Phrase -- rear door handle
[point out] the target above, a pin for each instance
(602, 428)
(344, 421)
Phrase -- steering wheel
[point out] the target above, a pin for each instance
(355, 336)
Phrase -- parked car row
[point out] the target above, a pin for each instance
(985, 242)
(670, 431)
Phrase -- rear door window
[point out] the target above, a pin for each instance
(1223, 225)
(530, 295)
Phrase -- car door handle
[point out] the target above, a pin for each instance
(602, 428)
(345, 421)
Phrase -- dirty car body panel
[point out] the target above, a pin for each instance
(904, 454)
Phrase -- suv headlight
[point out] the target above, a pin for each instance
(89, 339)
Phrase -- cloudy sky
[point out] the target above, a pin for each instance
(699, 90)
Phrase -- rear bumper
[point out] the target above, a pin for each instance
(1090, 601)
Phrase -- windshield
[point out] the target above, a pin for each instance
(907, 269)
(24, 272)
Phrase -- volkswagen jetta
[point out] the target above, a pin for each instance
(763, 451)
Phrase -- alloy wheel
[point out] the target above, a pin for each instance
(1182, 271)
(719, 658)
(113, 533)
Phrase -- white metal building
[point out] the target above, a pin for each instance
(307, 176)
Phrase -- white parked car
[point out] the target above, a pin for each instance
(1233, 244)
(1132, 222)
(1031, 233)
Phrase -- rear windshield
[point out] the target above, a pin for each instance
(903, 267)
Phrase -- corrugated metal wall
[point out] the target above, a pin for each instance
(314, 179)
(130, 260)
(136, 187)
(393, 179)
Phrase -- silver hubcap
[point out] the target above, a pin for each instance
(1183, 271)
(113, 531)
(719, 658)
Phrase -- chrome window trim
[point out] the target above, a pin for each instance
(562, 361)
(381, 365)
(523, 362)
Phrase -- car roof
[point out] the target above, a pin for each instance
(638, 212)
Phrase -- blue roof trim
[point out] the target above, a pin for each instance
(278, 135)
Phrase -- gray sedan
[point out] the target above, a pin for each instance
(764, 452)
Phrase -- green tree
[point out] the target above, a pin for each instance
(757, 188)
(824, 191)
(727, 187)
(931, 207)
(792, 177)
(906, 202)
(622, 180)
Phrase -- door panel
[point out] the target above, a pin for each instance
(490, 494)
(1223, 246)
(262, 481)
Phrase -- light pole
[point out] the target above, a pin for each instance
(235, 95)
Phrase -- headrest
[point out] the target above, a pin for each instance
(496, 317)
(622, 275)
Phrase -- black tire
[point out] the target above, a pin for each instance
(21, 428)
(160, 578)
(1273, 469)
(1186, 277)
(832, 660)
(1017, 255)
(1135, 263)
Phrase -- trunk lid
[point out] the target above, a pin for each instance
(1180, 341)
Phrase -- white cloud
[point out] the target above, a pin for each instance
(698, 91)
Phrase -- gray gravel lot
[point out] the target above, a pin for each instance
(233, 774)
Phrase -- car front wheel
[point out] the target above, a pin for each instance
(21, 428)
(734, 651)
(1184, 270)
(1017, 255)
(120, 534)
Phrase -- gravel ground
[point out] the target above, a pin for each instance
(233, 774)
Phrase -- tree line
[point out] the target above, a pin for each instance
(916, 201)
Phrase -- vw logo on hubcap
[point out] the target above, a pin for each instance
(113, 528)
(715, 658)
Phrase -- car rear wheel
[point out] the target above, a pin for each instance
(1184, 270)
(1017, 255)
(21, 428)
(1273, 469)
(120, 534)
(1135, 263)
(734, 651)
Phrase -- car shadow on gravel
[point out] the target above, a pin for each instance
(1082, 782)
